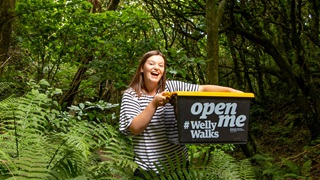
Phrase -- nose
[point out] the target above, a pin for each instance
(156, 66)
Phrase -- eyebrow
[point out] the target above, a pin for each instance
(155, 62)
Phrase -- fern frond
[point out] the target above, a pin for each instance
(38, 143)
(247, 170)
(116, 156)
(6, 89)
(31, 162)
(22, 140)
(227, 167)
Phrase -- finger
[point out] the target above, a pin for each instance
(166, 100)
(238, 91)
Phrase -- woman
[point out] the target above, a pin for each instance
(147, 116)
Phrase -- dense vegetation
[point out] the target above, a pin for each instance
(64, 65)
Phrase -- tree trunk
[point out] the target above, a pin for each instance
(236, 70)
(305, 79)
(302, 81)
(68, 97)
(6, 18)
(113, 5)
(213, 18)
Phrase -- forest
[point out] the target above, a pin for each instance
(64, 65)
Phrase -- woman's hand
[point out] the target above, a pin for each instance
(236, 91)
(160, 100)
(216, 88)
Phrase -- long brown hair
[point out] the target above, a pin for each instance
(137, 82)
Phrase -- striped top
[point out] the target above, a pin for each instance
(157, 144)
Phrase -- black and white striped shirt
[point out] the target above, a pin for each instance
(154, 146)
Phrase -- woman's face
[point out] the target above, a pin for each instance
(153, 69)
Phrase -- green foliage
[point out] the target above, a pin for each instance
(58, 37)
(190, 72)
(286, 169)
(6, 89)
(211, 165)
(228, 169)
(94, 111)
(52, 39)
(22, 138)
(40, 142)
(220, 165)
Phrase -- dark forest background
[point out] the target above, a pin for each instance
(65, 63)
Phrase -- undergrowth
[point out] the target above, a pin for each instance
(38, 141)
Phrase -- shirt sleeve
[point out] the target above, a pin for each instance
(129, 109)
(181, 86)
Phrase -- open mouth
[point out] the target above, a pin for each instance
(155, 74)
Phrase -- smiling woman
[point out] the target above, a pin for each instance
(147, 116)
(152, 71)
(138, 83)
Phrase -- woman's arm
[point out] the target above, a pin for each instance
(216, 88)
(141, 121)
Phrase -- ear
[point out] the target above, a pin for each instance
(141, 70)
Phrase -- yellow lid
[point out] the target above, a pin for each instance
(215, 94)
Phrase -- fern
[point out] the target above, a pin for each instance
(212, 165)
(23, 142)
(223, 166)
(118, 159)
(285, 169)
(38, 142)
(6, 89)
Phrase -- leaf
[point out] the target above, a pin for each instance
(81, 105)
(306, 167)
(294, 168)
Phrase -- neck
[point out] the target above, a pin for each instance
(151, 90)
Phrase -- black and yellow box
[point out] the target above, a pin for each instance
(212, 117)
